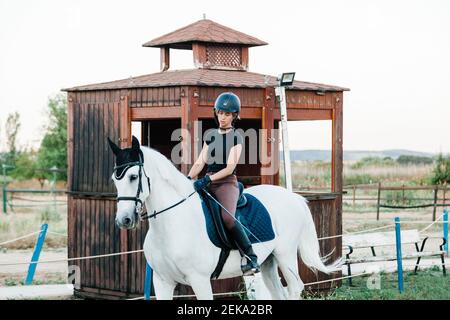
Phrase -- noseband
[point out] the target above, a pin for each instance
(137, 202)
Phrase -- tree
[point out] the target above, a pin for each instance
(53, 148)
(405, 160)
(441, 171)
(12, 128)
(25, 165)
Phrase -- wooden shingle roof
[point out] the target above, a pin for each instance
(203, 31)
(203, 77)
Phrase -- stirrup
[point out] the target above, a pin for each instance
(250, 268)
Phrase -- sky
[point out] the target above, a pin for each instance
(393, 55)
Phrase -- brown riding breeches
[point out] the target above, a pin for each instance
(226, 192)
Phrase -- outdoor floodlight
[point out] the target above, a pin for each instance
(287, 79)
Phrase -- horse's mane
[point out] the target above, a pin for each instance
(158, 164)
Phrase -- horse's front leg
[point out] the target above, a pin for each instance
(163, 289)
(201, 286)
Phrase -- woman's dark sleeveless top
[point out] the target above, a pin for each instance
(219, 146)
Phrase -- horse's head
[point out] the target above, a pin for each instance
(132, 183)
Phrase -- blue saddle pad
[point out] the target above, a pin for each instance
(254, 216)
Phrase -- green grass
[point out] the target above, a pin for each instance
(425, 285)
(11, 280)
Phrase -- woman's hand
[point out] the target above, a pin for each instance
(202, 183)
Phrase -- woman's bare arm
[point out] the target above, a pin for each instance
(197, 167)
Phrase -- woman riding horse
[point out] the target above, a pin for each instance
(221, 151)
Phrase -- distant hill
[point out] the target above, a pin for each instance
(353, 155)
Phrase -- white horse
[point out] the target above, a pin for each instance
(177, 245)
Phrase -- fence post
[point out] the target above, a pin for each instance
(444, 190)
(446, 230)
(5, 200)
(435, 202)
(148, 282)
(398, 245)
(354, 195)
(403, 194)
(37, 251)
(378, 201)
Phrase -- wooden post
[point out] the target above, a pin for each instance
(378, 200)
(125, 122)
(267, 141)
(165, 59)
(125, 142)
(189, 106)
(244, 58)
(70, 99)
(444, 190)
(354, 195)
(403, 194)
(435, 202)
(199, 54)
(337, 153)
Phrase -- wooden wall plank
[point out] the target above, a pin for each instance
(139, 114)
(250, 97)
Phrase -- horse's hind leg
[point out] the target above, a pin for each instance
(269, 273)
(289, 267)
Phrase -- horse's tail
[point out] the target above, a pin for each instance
(308, 247)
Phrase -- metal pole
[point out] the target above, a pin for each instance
(36, 254)
(398, 244)
(446, 230)
(286, 153)
(148, 282)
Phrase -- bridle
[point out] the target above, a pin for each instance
(138, 202)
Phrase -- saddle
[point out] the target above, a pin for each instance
(216, 215)
(250, 212)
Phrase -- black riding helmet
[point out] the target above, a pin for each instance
(228, 102)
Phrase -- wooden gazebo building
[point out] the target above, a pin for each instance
(169, 100)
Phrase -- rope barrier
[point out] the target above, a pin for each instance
(57, 233)
(72, 259)
(420, 222)
(335, 279)
(357, 232)
(35, 200)
(20, 238)
(429, 226)
(389, 226)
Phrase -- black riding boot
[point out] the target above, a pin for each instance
(245, 248)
